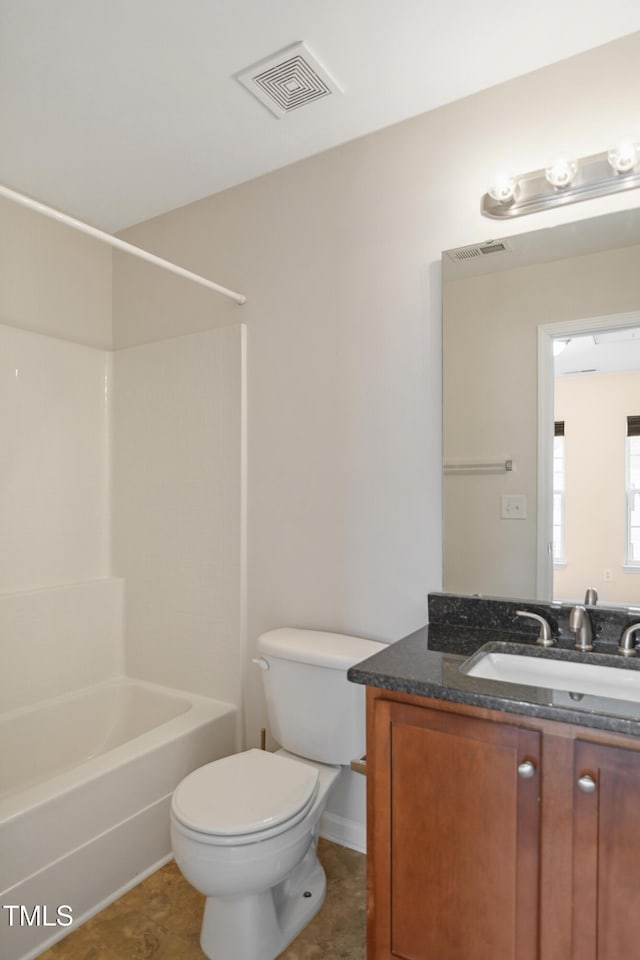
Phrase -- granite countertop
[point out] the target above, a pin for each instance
(427, 663)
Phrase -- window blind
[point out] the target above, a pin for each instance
(633, 426)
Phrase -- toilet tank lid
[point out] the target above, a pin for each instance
(336, 651)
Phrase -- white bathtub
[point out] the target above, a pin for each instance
(85, 786)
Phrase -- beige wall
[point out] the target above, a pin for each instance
(53, 280)
(339, 257)
(490, 393)
(595, 409)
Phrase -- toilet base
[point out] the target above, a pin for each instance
(259, 926)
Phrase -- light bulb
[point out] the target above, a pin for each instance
(562, 172)
(503, 188)
(623, 157)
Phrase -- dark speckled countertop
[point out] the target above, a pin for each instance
(428, 663)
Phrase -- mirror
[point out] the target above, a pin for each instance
(505, 304)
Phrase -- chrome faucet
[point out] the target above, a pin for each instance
(591, 597)
(581, 625)
(628, 642)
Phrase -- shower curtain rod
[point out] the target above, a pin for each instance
(117, 243)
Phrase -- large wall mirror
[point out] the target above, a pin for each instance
(541, 409)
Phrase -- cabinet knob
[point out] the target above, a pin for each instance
(587, 784)
(527, 769)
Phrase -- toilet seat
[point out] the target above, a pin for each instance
(244, 798)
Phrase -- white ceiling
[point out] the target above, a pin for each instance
(118, 110)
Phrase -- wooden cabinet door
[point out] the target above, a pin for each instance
(606, 853)
(455, 837)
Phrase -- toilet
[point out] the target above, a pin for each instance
(244, 829)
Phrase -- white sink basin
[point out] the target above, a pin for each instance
(574, 676)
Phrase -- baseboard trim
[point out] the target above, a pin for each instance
(347, 833)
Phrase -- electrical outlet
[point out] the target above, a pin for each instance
(513, 506)
(607, 575)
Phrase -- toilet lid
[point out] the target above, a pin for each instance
(244, 793)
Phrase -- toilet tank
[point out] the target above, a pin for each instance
(314, 711)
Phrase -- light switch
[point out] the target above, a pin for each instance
(513, 506)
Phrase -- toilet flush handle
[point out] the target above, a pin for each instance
(261, 662)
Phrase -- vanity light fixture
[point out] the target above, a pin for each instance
(504, 188)
(565, 180)
(561, 172)
(624, 157)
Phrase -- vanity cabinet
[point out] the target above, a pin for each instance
(606, 853)
(498, 837)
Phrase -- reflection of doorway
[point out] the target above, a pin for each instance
(598, 364)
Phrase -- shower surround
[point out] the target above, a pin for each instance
(120, 501)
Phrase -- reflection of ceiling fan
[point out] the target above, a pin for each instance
(616, 336)
(611, 351)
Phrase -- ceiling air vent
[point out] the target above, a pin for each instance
(289, 79)
(479, 250)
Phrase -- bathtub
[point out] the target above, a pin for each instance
(85, 786)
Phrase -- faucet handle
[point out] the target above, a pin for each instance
(591, 597)
(544, 637)
(627, 641)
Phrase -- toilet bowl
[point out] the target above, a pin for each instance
(244, 829)
(252, 852)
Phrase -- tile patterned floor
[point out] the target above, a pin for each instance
(160, 919)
